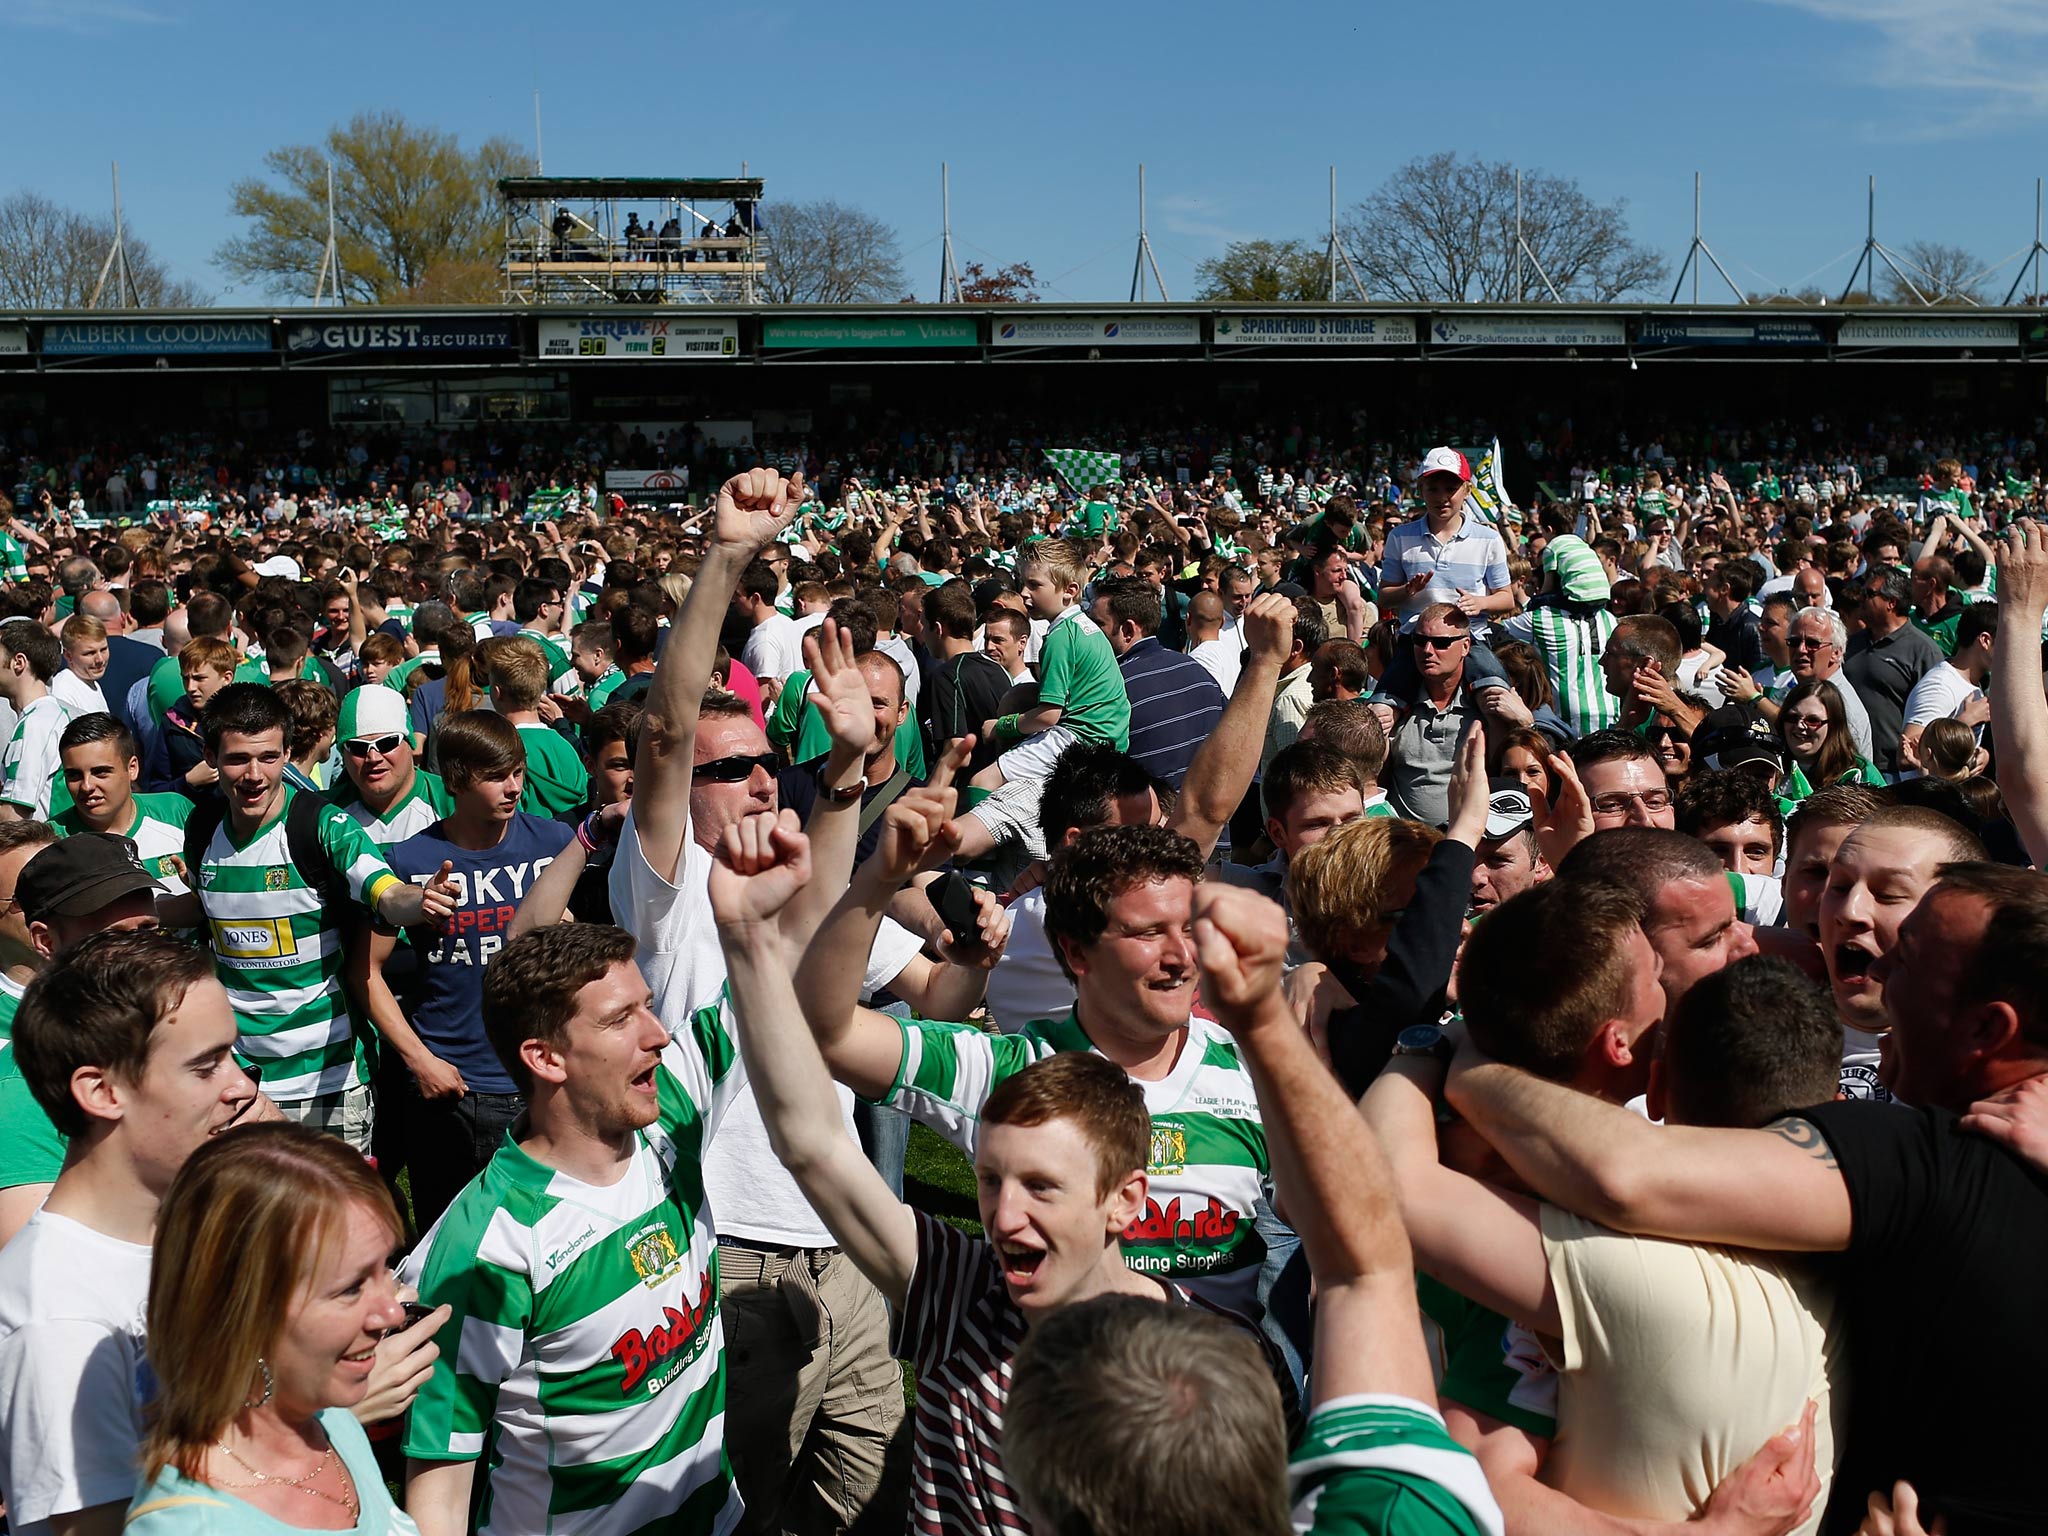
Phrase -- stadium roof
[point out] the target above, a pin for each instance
(709, 188)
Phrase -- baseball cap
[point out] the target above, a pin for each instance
(1447, 461)
(1730, 737)
(80, 874)
(1507, 809)
(371, 710)
(277, 565)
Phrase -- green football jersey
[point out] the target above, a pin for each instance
(31, 1148)
(1385, 1466)
(591, 1375)
(278, 951)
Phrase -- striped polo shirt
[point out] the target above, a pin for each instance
(1208, 1165)
(1175, 705)
(1472, 559)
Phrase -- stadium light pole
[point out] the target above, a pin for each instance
(1145, 256)
(330, 259)
(116, 263)
(1697, 249)
(949, 272)
(1337, 253)
(1875, 250)
(2032, 258)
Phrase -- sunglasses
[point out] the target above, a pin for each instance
(1440, 642)
(734, 770)
(383, 745)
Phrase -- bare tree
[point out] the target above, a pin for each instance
(1442, 228)
(51, 256)
(415, 214)
(1264, 272)
(824, 252)
(1946, 274)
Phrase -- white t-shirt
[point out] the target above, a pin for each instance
(752, 1195)
(1027, 983)
(1679, 1361)
(73, 1379)
(77, 695)
(1224, 659)
(30, 760)
(1939, 694)
(774, 649)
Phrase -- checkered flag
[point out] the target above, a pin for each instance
(1083, 468)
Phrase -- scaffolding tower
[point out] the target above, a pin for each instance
(632, 239)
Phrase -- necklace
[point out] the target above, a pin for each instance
(346, 1499)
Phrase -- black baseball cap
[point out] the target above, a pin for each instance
(79, 875)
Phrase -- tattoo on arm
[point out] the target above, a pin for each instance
(1806, 1136)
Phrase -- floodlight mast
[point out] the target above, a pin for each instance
(1696, 250)
(116, 264)
(1875, 250)
(1337, 253)
(1145, 256)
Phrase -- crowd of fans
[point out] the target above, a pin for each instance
(1459, 1024)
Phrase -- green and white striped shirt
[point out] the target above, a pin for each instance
(157, 831)
(1570, 646)
(1375, 1465)
(278, 951)
(1208, 1165)
(411, 814)
(585, 1361)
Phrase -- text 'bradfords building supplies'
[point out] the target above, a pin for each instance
(400, 336)
(155, 337)
(1315, 331)
(640, 340)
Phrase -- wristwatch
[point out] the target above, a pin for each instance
(844, 796)
(1423, 1040)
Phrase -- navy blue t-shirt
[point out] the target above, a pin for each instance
(445, 1002)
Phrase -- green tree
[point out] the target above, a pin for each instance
(1265, 272)
(415, 214)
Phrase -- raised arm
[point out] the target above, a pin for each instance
(760, 867)
(1772, 1188)
(1331, 1176)
(1480, 1241)
(1223, 765)
(862, 1048)
(2019, 712)
(752, 508)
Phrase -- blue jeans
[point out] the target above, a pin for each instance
(885, 1132)
(1284, 1294)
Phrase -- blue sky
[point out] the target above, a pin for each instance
(1044, 112)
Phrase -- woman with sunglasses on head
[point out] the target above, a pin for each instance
(1815, 729)
(270, 1287)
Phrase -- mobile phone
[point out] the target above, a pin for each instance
(414, 1311)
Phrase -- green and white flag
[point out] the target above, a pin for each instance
(1083, 468)
(1489, 496)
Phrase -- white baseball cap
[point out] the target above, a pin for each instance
(1447, 461)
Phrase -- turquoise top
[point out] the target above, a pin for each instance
(176, 1505)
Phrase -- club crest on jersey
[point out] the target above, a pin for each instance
(277, 877)
(1169, 1153)
(654, 1254)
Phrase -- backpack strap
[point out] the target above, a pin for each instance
(200, 826)
(893, 786)
(302, 820)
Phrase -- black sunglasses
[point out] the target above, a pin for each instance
(733, 770)
(1440, 642)
(363, 748)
